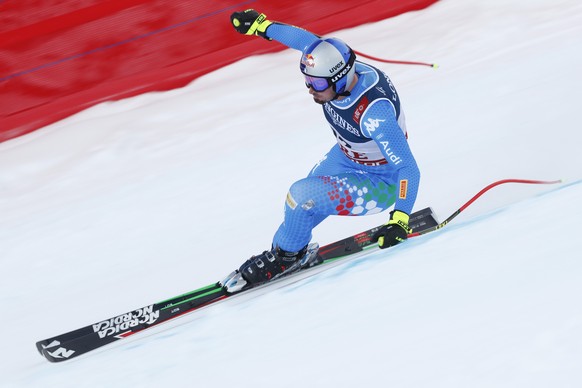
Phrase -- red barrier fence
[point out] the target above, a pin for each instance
(58, 58)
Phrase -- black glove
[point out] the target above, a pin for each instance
(394, 231)
(250, 22)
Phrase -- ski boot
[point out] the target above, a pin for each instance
(271, 265)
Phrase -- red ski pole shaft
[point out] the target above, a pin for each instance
(433, 65)
(480, 193)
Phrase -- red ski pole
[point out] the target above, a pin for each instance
(480, 193)
(433, 65)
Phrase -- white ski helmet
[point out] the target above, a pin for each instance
(328, 62)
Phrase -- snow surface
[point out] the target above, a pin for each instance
(135, 201)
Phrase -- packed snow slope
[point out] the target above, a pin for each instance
(136, 201)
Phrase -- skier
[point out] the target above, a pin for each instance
(370, 168)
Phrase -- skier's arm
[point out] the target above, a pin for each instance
(250, 22)
(380, 124)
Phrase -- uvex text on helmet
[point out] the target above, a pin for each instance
(332, 59)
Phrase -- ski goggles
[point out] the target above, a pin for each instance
(317, 83)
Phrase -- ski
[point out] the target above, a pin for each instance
(117, 327)
(77, 342)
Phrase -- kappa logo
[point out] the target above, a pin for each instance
(372, 124)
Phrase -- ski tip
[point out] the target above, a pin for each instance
(59, 354)
(46, 344)
(39, 347)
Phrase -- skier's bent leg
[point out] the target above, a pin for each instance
(308, 203)
(313, 199)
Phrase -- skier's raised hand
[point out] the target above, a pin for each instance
(250, 22)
